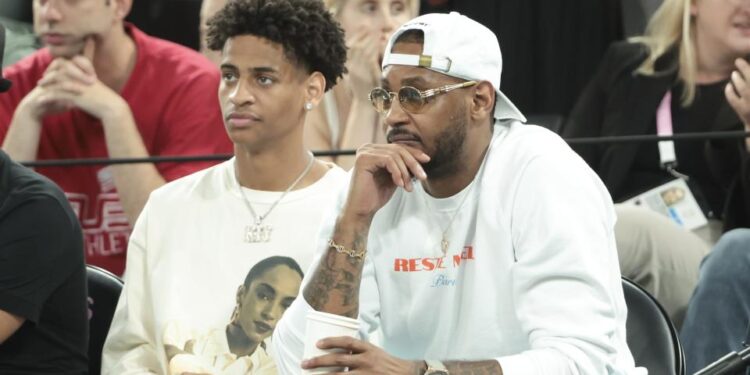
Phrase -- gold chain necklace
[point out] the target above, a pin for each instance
(259, 232)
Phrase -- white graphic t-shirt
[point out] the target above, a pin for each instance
(200, 295)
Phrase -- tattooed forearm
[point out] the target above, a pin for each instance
(490, 367)
(334, 287)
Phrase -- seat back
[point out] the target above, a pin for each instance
(104, 292)
(651, 336)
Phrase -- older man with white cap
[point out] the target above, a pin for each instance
(475, 243)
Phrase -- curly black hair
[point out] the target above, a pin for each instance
(304, 28)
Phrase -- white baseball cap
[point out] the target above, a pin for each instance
(457, 46)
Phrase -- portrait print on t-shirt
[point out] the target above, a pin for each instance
(240, 346)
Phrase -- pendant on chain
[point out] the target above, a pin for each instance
(444, 244)
(258, 232)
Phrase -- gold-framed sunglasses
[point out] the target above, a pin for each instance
(411, 99)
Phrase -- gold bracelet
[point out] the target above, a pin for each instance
(351, 253)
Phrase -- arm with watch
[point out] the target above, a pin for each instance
(335, 284)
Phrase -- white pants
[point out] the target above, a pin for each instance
(660, 256)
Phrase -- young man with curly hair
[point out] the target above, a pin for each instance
(198, 235)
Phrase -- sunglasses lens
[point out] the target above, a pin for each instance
(411, 99)
(381, 100)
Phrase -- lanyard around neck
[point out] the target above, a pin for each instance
(664, 128)
(667, 156)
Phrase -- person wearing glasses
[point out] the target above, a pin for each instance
(200, 234)
(473, 242)
(688, 73)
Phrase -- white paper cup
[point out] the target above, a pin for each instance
(322, 325)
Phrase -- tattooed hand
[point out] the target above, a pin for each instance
(378, 171)
(364, 358)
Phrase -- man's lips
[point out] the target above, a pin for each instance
(55, 39)
(402, 137)
(242, 120)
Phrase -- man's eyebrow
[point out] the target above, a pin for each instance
(257, 69)
(413, 81)
(410, 81)
(264, 69)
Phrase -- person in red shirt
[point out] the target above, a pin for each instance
(103, 88)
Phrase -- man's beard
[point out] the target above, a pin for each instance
(449, 146)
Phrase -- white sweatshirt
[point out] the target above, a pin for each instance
(531, 277)
(187, 257)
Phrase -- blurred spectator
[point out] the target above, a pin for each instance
(43, 326)
(680, 68)
(345, 119)
(208, 9)
(105, 89)
(719, 312)
(20, 41)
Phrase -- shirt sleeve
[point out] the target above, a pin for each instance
(35, 244)
(566, 260)
(193, 125)
(130, 344)
(288, 344)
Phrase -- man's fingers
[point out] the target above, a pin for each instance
(78, 73)
(85, 66)
(396, 175)
(54, 65)
(330, 360)
(410, 159)
(398, 158)
(89, 48)
(66, 71)
(347, 343)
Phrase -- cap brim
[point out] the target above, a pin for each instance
(505, 109)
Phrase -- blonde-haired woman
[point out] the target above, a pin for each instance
(345, 119)
(688, 68)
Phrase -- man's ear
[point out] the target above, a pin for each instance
(315, 88)
(483, 101)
